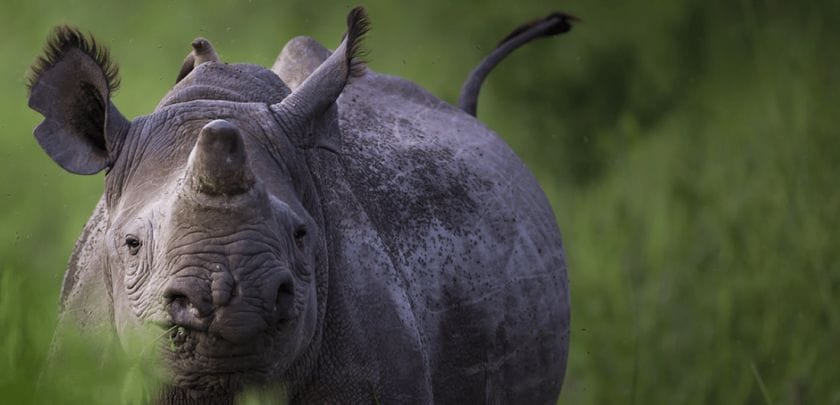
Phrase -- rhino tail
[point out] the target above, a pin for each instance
(551, 25)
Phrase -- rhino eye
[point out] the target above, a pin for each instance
(300, 235)
(133, 244)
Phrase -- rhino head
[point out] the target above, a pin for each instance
(211, 224)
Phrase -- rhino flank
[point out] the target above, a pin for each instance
(318, 226)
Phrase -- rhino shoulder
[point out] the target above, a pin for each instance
(416, 160)
(390, 124)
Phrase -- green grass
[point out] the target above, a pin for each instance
(690, 149)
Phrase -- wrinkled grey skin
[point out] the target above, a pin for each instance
(431, 269)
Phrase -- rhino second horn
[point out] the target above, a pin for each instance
(218, 164)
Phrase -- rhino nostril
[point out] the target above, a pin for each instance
(182, 303)
(285, 301)
(184, 311)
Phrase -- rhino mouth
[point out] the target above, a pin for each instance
(204, 368)
(193, 349)
(208, 388)
(202, 363)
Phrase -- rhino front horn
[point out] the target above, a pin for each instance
(218, 164)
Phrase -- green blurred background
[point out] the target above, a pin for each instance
(690, 150)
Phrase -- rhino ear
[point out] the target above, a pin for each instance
(71, 86)
(313, 101)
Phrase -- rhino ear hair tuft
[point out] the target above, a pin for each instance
(65, 38)
(358, 25)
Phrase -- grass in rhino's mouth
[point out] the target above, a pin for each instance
(180, 341)
(177, 337)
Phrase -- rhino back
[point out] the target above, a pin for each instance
(447, 261)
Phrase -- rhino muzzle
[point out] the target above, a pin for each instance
(219, 306)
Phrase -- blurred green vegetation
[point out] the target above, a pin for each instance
(690, 149)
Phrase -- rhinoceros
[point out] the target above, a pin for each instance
(338, 232)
